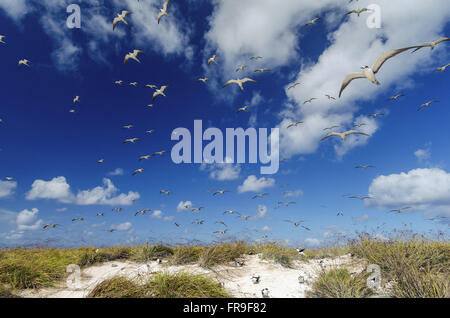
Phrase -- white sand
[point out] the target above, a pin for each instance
(282, 282)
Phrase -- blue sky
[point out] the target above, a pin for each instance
(52, 154)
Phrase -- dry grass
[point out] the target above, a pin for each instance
(338, 283)
(282, 255)
(222, 254)
(163, 285)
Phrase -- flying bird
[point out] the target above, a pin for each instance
(120, 18)
(309, 100)
(133, 84)
(220, 192)
(131, 140)
(151, 86)
(395, 97)
(197, 209)
(295, 124)
(165, 192)
(340, 214)
(77, 219)
(24, 62)
(431, 44)
(118, 82)
(376, 115)
(364, 166)
(159, 92)
(306, 228)
(259, 195)
(427, 104)
(147, 157)
(240, 68)
(443, 68)
(163, 11)
(359, 197)
(368, 72)
(127, 127)
(296, 224)
(262, 70)
(1, 39)
(149, 131)
(138, 171)
(358, 12)
(160, 153)
(359, 125)
(133, 55)
(313, 21)
(344, 134)
(400, 210)
(330, 97)
(293, 85)
(117, 209)
(101, 161)
(243, 109)
(212, 59)
(332, 127)
(256, 57)
(230, 212)
(142, 211)
(100, 214)
(204, 80)
(220, 222)
(239, 82)
(50, 226)
(221, 232)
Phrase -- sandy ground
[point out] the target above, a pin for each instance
(282, 282)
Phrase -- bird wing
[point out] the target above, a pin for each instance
(348, 79)
(245, 80)
(442, 40)
(329, 135)
(230, 82)
(350, 132)
(165, 5)
(386, 56)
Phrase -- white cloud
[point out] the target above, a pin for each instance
(59, 189)
(294, 193)
(122, 227)
(222, 171)
(265, 229)
(184, 206)
(158, 214)
(418, 188)
(423, 154)
(7, 188)
(116, 172)
(16, 9)
(27, 220)
(253, 184)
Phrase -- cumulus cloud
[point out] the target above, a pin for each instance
(116, 172)
(7, 188)
(158, 214)
(253, 184)
(58, 189)
(418, 188)
(27, 220)
(123, 226)
(349, 45)
(16, 9)
(222, 171)
(423, 155)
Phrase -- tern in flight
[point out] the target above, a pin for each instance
(212, 59)
(220, 222)
(142, 211)
(259, 195)
(76, 99)
(151, 86)
(150, 131)
(344, 134)
(165, 192)
(306, 228)
(443, 68)
(239, 82)
(332, 127)
(230, 212)
(159, 153)
(220, 192)
(131, 140)
(256, 57)
(159, 92)
(118, 82)
(163, 11)
(293, 85)
(9, 178)
(127, 127)
(138, 171)
(295, 124)
(395, 97)
(221, 232)
(262, 70)
(133, 55)
(427, 104)
(400, 210)
(240, 68)
(313, 21)
(133, 84)
(24, 62)
(1, 39)
(204, 80)
(296, 224)
(359, 197)
(147, 157)
(431, 44)
(120, 18)
(358, 12)
(100, 214)
(77, 219)
(50, 226)
(309, 100)
(330, 97)
(368, 72)
(359, 125)
(243, 109)
(364, 166)
(101, 161)
(197, 209)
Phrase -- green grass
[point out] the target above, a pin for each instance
(222, 254)
(338, 283)
(186, 255)
(163, 285)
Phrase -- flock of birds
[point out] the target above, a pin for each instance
(367, 73)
